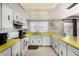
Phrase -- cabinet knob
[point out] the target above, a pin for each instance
(55, 46)
(8, 17)
(52, 42)
(39, 41)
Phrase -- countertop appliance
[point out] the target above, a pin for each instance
(3, 38)
(11, 35)
(22, 34)
(23, 38)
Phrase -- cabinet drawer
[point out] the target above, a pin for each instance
(74, 50)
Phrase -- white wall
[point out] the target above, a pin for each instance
(56, 26)
(0, 15)
(40, 26)
(61, 12)
(38, 15)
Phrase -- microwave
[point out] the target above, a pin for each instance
(3, 38)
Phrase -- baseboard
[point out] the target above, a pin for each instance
(44, 45)
(41, 45)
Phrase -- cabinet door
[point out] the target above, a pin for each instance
(56, 46)
(46, 40)
(16, 49)
(53, 42)
(62, 49)
(25, 48)
(7, 52)
(25, 23)
(35, 40)
(31, 40)
(20, 19)
(7, 16)
(15, 16)
(38, 40)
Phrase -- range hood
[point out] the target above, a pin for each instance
(18, 23)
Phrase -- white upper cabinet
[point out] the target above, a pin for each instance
(25, 23)
(15, 16)
(21, 19)
(7, 16)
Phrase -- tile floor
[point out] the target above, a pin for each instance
(41, 51)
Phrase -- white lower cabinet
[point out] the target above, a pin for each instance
(7, 52)
(52, 41)
(24, 46)
(35, 40)
(70, 53)
(55, 44)
(21, 46)
(73, 51)
(62, 49)
(24, 51)
(40, 40)
(16, 50)
(46, 41)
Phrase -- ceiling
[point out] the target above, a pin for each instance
(38, 6)
(48, 10)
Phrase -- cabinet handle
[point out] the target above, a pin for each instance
(55, 46)
(39, 41)
(61, 52)
(52, 42)
(32, 41)
(17, 54)
(8, 17)
(16, 17)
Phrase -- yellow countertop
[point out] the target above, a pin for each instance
(8, 44)
(39, 33)
(72, 41)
